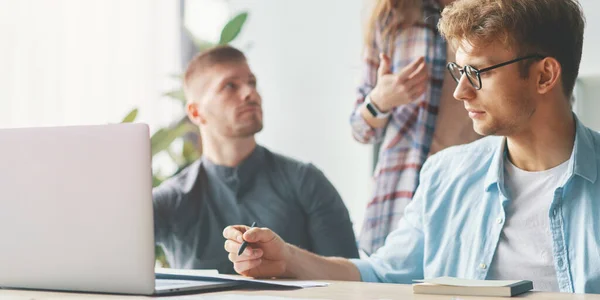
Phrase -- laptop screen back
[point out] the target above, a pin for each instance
(76, 209)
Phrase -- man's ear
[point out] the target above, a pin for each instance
(193, 112)
(549, 75)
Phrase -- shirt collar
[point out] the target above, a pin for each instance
(582, 161)
(192, 176)
(495, 174)
(240, 175)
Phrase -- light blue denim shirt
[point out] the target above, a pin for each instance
(453, 225)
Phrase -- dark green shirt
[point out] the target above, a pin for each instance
(292, 198)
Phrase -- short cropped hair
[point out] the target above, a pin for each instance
(552, 28)
(206, 59)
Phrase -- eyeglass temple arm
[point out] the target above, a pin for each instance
(510, 62)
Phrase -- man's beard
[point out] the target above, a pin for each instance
(248, 129)
(507, 127)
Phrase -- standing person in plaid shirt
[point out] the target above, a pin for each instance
(405, 102)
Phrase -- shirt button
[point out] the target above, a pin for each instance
(499, 220)
(482, 266)
(555, 211)
(560, 263)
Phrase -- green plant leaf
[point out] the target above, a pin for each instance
(156, 181)
(177, 94)
(161, 140)
(176, 157)
(130, 116)
(233, 28)
(161, 257)
(189, 152)
(158, 136)
(163, 137)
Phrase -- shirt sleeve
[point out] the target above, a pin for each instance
(361, 130)
(400, 260)
(164, 199)
(329, 225)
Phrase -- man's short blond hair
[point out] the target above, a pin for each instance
(551, 28)
(204, 60)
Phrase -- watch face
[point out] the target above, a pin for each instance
(372, 109)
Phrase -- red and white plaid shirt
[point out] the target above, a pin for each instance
(407, 137)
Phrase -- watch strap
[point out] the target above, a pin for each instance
(374, 110)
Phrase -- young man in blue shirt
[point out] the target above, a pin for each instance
(522, 203)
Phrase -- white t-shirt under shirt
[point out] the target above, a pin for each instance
(525, 247)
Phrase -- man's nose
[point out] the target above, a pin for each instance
(249, 93)
(464, 90)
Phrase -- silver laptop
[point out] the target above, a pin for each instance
(76, 211)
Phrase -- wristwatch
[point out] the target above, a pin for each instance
(372, 108)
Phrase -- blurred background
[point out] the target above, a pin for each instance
(70, 62)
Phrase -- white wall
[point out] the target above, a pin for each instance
(306, 55)
(72, 62)
(590, 62)
(587, 92)
(67, 62)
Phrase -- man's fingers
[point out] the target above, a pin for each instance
(259, 235)
(244, 266)
(233, 248)
(385, 66)
(247, 255)
(234, 232)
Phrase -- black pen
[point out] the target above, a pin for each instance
(245, 244)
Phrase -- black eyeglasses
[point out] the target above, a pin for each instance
(474, 75)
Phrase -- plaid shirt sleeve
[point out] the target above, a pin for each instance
(361, 130)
